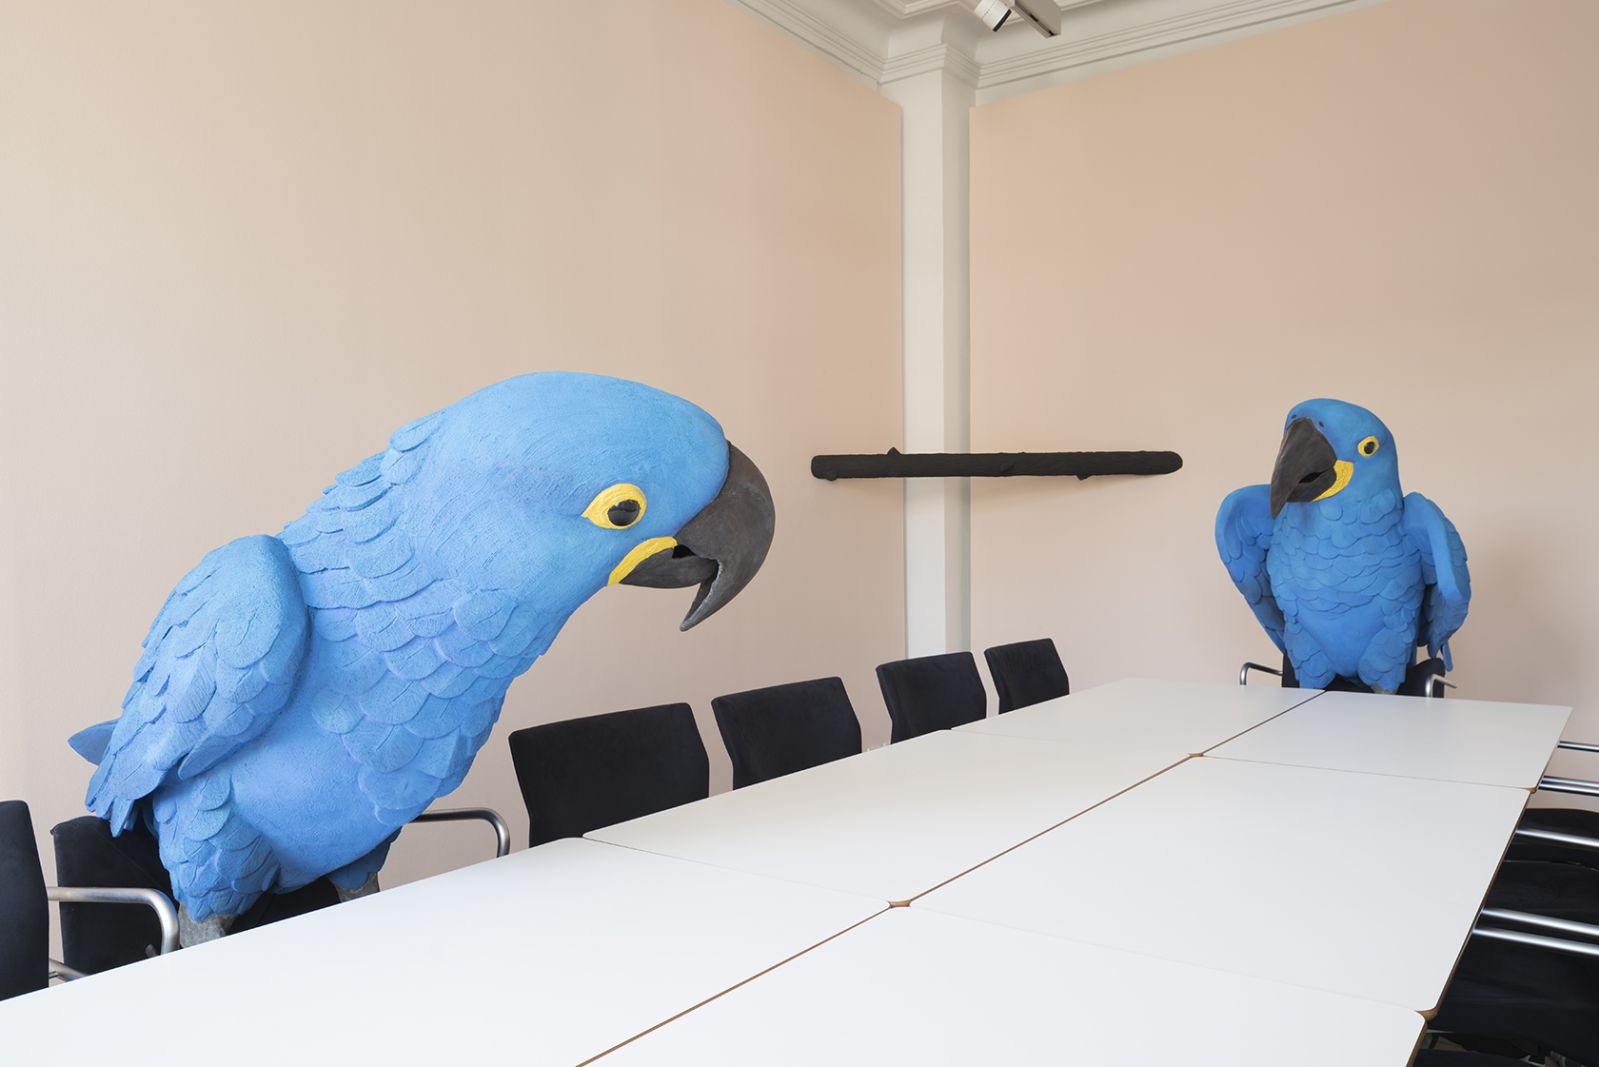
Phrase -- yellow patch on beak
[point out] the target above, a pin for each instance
(643, 551)
(1342, 471)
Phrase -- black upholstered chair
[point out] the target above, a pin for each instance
(25, 965)
(1027, 672)
(1533, 993)
(932, 693)
(95, 939)
(1539, 833)
(582, 774)
(98, 939)
(1425, 678)
(786, 728)
(24, 908)
(1442, 1058)
(1572, 822)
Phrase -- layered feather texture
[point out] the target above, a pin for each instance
(301, 697)
(1349, 582)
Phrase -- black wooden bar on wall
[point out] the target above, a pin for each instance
(897, 464)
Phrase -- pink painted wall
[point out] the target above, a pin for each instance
(1393, 205)
(241, 243)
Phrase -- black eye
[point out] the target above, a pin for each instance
(624, 512)
(1368, 447)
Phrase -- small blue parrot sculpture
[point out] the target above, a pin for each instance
(303, 696)
(1346, 572)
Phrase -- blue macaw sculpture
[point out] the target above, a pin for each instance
(303, 696)
(1346, 572)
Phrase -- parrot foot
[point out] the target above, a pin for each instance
(366, 889)
(1380, 691)
(192, 932)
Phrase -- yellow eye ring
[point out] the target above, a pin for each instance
(1369, 446)
(616, 508)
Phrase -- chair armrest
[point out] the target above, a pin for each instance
(1555, 838)
(1577, 786)
(1243, 672)
(1540, 922)
(502, 832)
(158, 902)
(1553, 944)
(63, 972)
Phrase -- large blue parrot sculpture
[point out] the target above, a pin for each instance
(303, 696)
(1346, 573)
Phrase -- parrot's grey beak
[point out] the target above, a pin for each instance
(721, 548)
(1306, 466)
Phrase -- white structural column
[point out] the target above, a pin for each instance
(936, 60)
(935, 86)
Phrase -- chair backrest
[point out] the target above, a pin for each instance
(582, 774)
(1027, 672)
(95, 937)
(1418, 678)
(932, 693)
(24, 911)
(786, 728)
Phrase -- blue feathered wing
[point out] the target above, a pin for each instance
(219, 665)
(1443, 570)
(1243, 534)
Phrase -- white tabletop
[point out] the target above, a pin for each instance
(913, 987)
(1453, 740)
(1180, 718)
(896, 821)
(1355, 883)
(548, 956)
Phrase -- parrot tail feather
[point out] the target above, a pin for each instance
(90, 743)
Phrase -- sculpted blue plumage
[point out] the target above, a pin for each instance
(1345, 572)
(302, 696)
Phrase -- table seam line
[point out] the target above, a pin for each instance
(1034, 837)
(722, 993)
(1375, 774)
(867, 897)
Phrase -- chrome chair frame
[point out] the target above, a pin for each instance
(502, 832)
(1435, 682)
(165, 913)
(1544, 922)
(1243, 672)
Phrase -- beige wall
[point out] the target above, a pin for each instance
(241, 243)
(1394, 206)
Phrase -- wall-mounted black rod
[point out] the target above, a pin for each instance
(896, 464)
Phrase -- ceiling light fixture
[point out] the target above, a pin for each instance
(1041, 15)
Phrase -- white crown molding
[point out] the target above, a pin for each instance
(907, 8)
(882, 41)
(936, 57)
(1113, 36)
(847, 47)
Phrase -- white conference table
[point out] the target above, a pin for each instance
(548, 956)
(1180, 718)
(1108, 896)
(1452, 740)
(1361, 884)
(915, 987)
(894, 822)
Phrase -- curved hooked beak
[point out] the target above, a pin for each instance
(1307, 467)
(721, 548)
